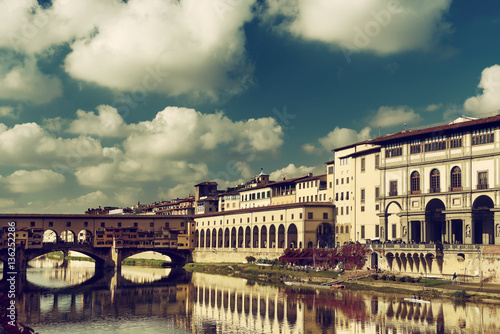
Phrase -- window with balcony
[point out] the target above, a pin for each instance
(482, 180)
(456, 179)
(435, 182)
(363, 164)
(415, 183)
(393, 188)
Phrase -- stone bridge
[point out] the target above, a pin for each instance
(106, 258)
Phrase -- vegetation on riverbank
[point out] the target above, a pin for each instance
(427, 288)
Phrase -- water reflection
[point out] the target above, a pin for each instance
(163, 300)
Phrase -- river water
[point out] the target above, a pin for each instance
(146, 300)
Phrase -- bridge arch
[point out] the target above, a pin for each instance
(67, 236)
(85, 237)
(50, 236)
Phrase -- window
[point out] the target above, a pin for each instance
(346, 210)
(85, 224)
(393, 150)
(51, 224)
(435, 144)
(341, 196)
(377, 207)
(393, 188)
(309, 215)
(347, 179)
(281, 217)
(263, 219)
(32, 224)
(337, 182)
(362, 231)
(377, 161)
(342, 181)
(341, 210)
(68, 224)
(482, 180)
(456, 140)
(182, 224)
(415, 146)
(346, 195)
(483, 136)
(393, 230)
(363, 164)
(292, 215)
(415, 183)
(330, 169)
(300, 215)
(456, 179)
(362, 195)
(377, 231)
(330, 185)
(435, 181)
(377, 192)
(119, 224)
(325, 215)
(103, 224)
(337, 196)
(151, 224)
(347, 229)
(341, 229)
(362, 208)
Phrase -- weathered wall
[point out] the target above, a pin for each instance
(230, 255)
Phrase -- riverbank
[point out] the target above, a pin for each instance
(428, 288)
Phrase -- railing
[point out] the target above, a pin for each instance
(482, 186)
(393, 193)
(454, 188)
(434, 190)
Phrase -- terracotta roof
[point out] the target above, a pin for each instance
(436, 129)
(210, 183)
(330, 162)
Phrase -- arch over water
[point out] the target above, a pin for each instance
(85, 237)
(281, 236)
(272, 236)
(67, 236)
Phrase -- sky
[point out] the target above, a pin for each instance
(111, 103)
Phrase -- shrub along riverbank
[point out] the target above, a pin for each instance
(406, 286)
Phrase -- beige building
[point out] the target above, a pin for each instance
(437, 184)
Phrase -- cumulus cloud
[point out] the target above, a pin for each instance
(29, 145)
(181, 190)
(142, 46)
(311, 149)
(23, 181)
(382, 27)
(21, 80)
(292, 171)
(391, 116)
(187, 47)
(343, 136)
(488, 101)
(107, 123)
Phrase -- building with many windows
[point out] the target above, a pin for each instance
(434, 185)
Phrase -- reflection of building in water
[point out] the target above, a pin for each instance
(228, 304)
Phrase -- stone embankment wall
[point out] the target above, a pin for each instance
(231, 255)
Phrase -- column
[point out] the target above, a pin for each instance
(383, 228)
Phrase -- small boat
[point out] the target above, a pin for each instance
(419, 301)
(334, 286)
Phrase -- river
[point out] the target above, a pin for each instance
(73, 300)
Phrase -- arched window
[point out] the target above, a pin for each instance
(456, 179)
(435, 184)
(415, 183)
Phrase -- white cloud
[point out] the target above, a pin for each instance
(340, 137)
(181, 190)
(107, 123)
(180, 132)
(21, 80)
(433, 107)
(311, 149)
(8, 112)
(390, 116)
(187, 47)
(23, 181)
(488, 101)
(128, 196)
(292, 171)
(29, 145)
(382, 26)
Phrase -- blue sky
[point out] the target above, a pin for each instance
(106, 102)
